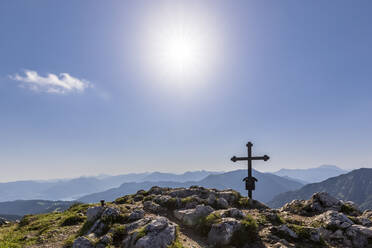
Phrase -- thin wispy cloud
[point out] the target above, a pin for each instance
(51, 83)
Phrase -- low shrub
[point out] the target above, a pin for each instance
(119, 233)
(206, 223)
(72, 220)
(247, 232)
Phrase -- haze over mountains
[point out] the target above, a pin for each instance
(268, 186)
(354, 186)
(23, 207)
(311, 175)
(69, 189)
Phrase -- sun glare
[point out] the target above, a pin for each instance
(179, 48)
(179, 54)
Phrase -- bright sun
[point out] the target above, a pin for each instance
(180, 53)
(179, 49)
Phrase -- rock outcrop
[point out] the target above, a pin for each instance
(225, 218)
(198, 217)
(3, 221)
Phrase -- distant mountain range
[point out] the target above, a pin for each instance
(354, 186)
(14, 209)
(312, 175)
(70, 189)
(268, 186)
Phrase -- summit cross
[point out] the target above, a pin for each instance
(250, 180)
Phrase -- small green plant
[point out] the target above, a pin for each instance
(302, 232)
(347, 209)
(85, 228)
(247, 232)
(26, 220)
(140, 233)
(148, 198)
(72, 220)
(69, 242)
(176, 244)
(206, 223)
(124, 199)
(186, 200)
(142, 192)
(262, 220)
(119, 233)
(78, 207)
(171, 204)
(245, 202)
(237, 195)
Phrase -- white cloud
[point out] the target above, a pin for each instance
(52, 83)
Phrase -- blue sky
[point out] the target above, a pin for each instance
(294, 77)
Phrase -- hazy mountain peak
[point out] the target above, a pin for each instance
(312, 175)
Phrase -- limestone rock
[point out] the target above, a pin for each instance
(82, 242)
(221, 233)
(159, 233)
(162, 199)
(332, 219)
(156, 190)
(359, 235)
(211, 200)
(325, 200)
(137, 224)
(3, 221)
(229, 195)
(236, 213)
(222, 203)
(110, 213)
(136, 215)
(287, 231)
(93, 213)
(319, 203)
(367, 214)
(190, 217)
(153, 207)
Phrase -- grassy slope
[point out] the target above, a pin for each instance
(47, 230)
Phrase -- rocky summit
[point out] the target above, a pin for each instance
(192, 218)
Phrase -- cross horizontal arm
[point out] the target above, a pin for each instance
(264, 158)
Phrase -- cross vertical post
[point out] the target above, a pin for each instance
(249, 148)
(250, 180)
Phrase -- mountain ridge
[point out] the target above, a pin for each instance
(312, 175)
(268, 185)
(354, 186)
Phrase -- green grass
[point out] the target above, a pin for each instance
(347, 209)
(119, 232)
(247, 232)
(176, 244)
(128, 199)
(142, 192)
(72, 220)
(186, 200)
(69, 242)
(38, 229)
(148, 198)
(206, 223)
(171, 204)
(140, 233)
(302, 232)
(11, 238)
(85, 228)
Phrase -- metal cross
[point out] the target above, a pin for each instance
(250, 181)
